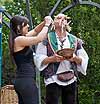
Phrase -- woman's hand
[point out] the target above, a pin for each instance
(48, 20)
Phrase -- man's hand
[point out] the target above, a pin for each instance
(58, 58)
(76, 59)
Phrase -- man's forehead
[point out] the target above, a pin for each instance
(60, 15)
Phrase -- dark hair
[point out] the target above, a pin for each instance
(16, 25)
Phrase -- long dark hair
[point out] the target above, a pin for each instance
(16, 25)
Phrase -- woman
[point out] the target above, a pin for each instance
(20, 40)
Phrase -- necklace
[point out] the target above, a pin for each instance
(62, 40)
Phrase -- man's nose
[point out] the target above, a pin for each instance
(60, 22)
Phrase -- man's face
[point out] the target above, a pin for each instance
(60, 20)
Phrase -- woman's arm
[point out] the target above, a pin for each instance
(22, 41)
(36, 30)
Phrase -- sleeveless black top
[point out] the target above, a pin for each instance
(24, 63)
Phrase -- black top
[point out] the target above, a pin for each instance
(24, 63)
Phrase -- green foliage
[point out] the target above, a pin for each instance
(2, 2)
(85, 25)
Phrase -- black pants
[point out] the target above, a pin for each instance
(68, 94)
(26, 90)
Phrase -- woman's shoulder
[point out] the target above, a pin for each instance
(17, 42)
(19, 37)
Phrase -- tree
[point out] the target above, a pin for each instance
(85, 24)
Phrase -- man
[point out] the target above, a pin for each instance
(60, 72)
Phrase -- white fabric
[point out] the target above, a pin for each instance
(64, 66)
(66, 42)
(83, 55)
(41, 54)
(54, 79)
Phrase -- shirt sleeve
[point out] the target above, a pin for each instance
(83, 55)
(41, 54)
